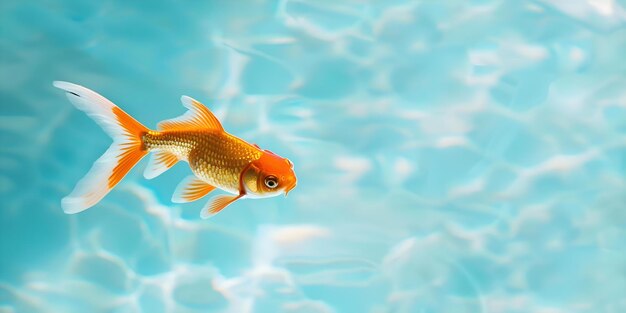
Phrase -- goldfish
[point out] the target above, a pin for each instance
(216, 158)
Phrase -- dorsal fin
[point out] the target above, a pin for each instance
(198, 117)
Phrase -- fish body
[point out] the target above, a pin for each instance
(216, 158)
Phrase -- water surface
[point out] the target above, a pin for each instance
(452, 156)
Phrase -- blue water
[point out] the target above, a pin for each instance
(452, 156)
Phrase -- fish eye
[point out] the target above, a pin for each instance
(271, 181)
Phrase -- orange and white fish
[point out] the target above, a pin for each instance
(216, 158)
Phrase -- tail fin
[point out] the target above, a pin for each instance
(125, 151)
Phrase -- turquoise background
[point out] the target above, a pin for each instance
(452, 156)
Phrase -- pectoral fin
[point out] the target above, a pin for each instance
(191, 189)
(217, 204)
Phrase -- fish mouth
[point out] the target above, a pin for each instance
(288, 189)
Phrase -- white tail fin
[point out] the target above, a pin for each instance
(125, 151)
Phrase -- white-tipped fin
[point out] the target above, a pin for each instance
(96, 106)
(159, 162)
(190, 189)
(94, 185)
(117, 161)
(198, 117)
(217, 204)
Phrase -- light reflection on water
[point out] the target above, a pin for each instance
(459, 156)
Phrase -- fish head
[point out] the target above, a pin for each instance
(270, 176)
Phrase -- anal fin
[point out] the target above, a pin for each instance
(191, 189)
(160, 161)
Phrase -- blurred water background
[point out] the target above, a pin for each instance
(452, 156)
